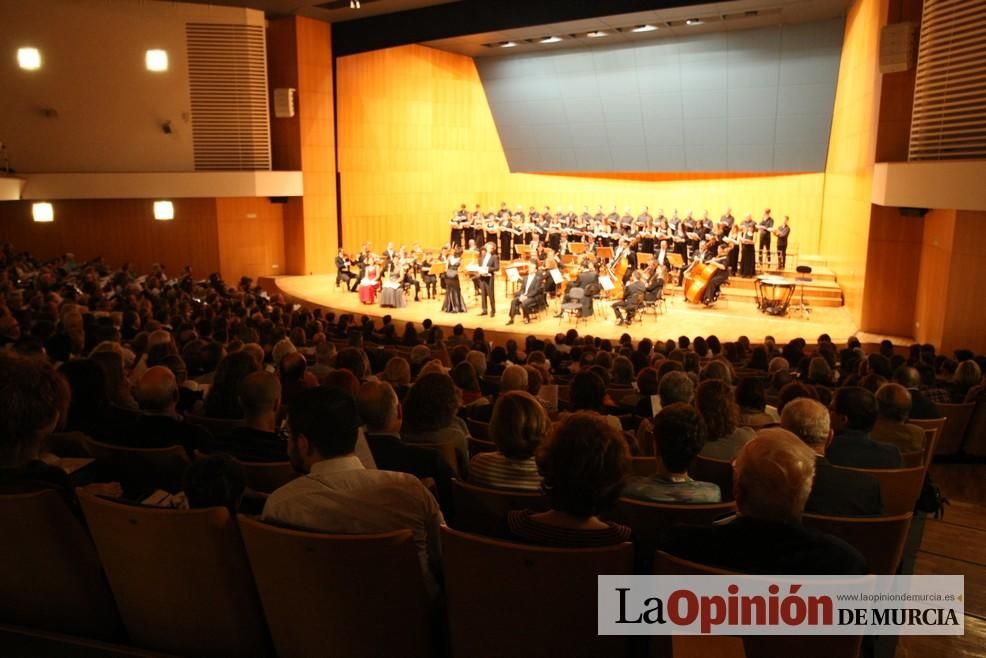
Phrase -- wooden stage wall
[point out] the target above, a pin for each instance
(416, 138)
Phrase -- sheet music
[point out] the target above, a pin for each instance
(556, 275)
(606, 282)
(513, 274)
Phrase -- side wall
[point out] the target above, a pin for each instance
(417, 138)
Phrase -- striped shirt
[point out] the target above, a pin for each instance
(494, 470)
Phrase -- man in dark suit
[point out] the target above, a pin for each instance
(257, 440)
(854, 413)
(633, 296)
(922, 408)
(344, 274)
(588, 282)
(491, 262)
(529, 296)
(160, 425)
(835, 491)
(380, 410)
(772, 478)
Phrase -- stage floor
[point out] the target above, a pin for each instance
(728, 319)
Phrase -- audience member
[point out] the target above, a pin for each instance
(518, 426)
(854, 413)
(214, 481)
(159, 424)
(720, 413)
(257, 439)
(893, 409)
(430, 419)
(921, 407)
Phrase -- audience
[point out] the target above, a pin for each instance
(257, 439)
(430, 419)
(772, 480)
(893, 409)
(717, 406)
(585, 463)
(214, 481)
(339, 495)
(921, 407)
(680, 433)
(834, 491)
(518, 426)
(854, 413)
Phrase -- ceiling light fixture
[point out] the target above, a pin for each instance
(644, 28)
(551, 40)
(508, 44)
(694, 21)
(29, 59)
(43, 212)
(596, 35)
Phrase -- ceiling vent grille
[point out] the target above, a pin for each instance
(949, 119)
(227, 70)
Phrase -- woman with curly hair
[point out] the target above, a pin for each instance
(717, 406)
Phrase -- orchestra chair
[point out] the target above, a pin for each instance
(507, 599)
(754, 646)
(975, 435)
(50, 575)
(573, 308)
(162, 468)
(880, 539)
(267, 477)
(649, 521)
(478, 446)
(483, 511)
(478, 429)
(180, 577)
(66, 444)
(343, 595)
(218, 427)
(952, 432)
(899, 487)
(718, 471)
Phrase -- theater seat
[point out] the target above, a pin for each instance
(144, 467)
(266, 477)
(180, 577)
(340, 595)
(899, 487)
(483, 511)
(522, 601)
(50, 575)
(880, 539)
(718, 471)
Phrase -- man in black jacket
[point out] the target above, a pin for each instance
(380, 410)
(854, 413)
(633, 296)
(530, 295)
(835, 491)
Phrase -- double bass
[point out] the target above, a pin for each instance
(697, 279)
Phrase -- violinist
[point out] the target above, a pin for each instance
(344, 274)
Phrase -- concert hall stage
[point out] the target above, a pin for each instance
(731, 317)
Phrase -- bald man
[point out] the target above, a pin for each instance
(834, 491)
(160, 425)
(893, 410)
(257, 439)
(772, 479)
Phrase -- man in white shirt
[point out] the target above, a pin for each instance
(529, 295)
(337, 494)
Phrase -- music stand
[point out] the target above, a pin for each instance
(803, 271)
(604, 252)
(577, 248)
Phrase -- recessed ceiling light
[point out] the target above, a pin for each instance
(29, 59)
(156, 60)
(597, 34)
(164, 211)
(551, 40)
(354, 4)
(694, 21)
(43, 212)
(508, 44)
(644, 28)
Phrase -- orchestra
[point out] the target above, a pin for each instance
(623, 256)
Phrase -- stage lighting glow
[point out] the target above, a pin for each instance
(29, 59)
(551, 40)
(644, 28)
(694, 21)
(596, 35)
(508, 44)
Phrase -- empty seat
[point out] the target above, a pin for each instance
(50, 575)
(340, 595)
(483, 511)
(266, 477)
(975, 434)
(180, 577)
(145, 467)
(507, 599)
(880, 539)
(899, 487)
(718, 471)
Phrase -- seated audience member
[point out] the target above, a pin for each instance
(680, 433)
(518, 426)
(514, 378)
(381, 412)
(397, 373)
(430, 416)
(967, 375)
(464, 376)
(835, 491)
(854, 413)
(587, 393)
(295, 378)
(188, 393)
(339, 495)
(32, 397)
(717, 406)
(160, 425)
(676, 386)
(117, 384)
(894, 408)
(223, 399)
(584, 462)
(772, 480)
(647, 387)
(752, 399)
(921, 407)
(325, 354)
(90, 410)
(214, 481)
(257, 439)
